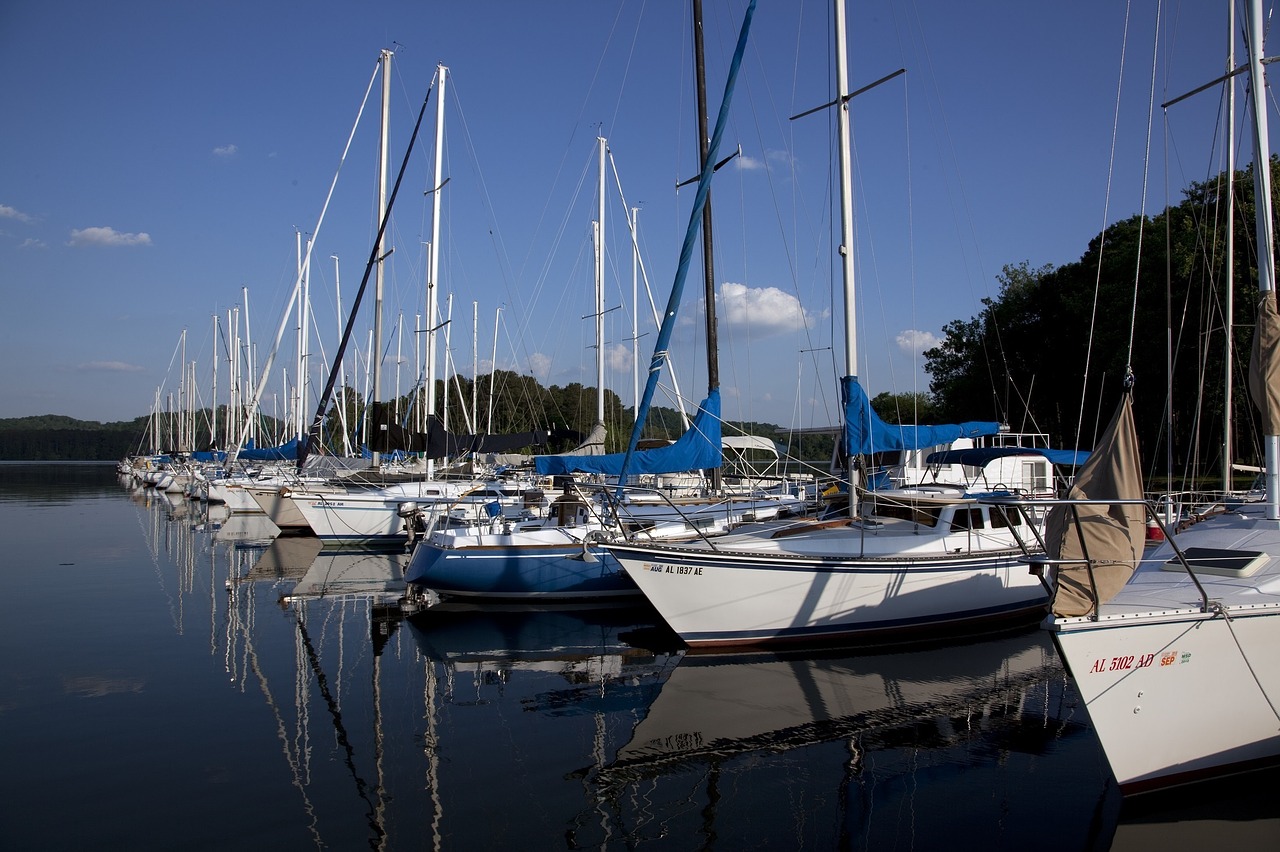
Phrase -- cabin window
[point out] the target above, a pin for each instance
(926, 516)
(1035, 475)
(967, 519)
(1002, 517)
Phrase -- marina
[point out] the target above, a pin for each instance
(191, 680)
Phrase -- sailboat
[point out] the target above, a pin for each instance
(374, 514)
(909, 560)
(1175, 659)
(558, 557)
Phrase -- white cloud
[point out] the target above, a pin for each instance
(781, 157)
(773, 159)
(540, 366)
(765, 310)
(915, 342)
(617, 357)
(107, 237)
(225, 151)
(33, 243)
(8, 212)
(110, 367)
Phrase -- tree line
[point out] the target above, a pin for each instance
(1053, 348)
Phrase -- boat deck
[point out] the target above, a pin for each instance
(1231, 554)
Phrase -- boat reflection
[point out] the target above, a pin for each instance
(582, 642)
(239, 528)
(287, 557)
(716, 706)
(374, 574)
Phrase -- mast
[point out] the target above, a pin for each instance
(708, 264)
(1229, 319)
(635, 312)
(846, 196)
(1262, 216)
(599, 288)
(493, 366)
(433, 297)
(295, 407)
(342, 361)
(448, 359)
(383, 141)
(213, 394)
(475, 361)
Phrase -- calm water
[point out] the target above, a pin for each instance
(175, 679)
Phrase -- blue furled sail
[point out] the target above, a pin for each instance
(697, 449)
(283, 452)
(865, 433)
(686, 255)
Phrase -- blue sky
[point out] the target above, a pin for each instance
(158, 157)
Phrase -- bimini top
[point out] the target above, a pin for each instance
(981, 456)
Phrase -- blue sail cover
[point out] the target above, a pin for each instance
(697, 449)
(283, 452)
(865, 433)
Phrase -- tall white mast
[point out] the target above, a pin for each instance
(493, 367)
(604, 149)
(213, 394)
(1229, 320)
(448, 358)
(475, 360)
(382, 212)
(846, 196)
(1262, 215)
(295, 399)
(342, 364)
(635, 311)
(433, 309)
(304, 344)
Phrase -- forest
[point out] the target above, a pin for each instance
(1148, 299)
(1050, 353)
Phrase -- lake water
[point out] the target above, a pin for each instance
(175, 678)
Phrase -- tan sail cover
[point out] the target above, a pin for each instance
(1264, 364)
(1114, 535)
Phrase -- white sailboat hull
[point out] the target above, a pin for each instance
(753, 589)
(1176, 694)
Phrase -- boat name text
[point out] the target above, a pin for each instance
(672, 569)
(1140, 661)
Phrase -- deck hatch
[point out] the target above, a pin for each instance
(1220, 561)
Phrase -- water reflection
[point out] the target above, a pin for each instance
(51, 483)
(714, 707)
(406, 727)
(360, 720)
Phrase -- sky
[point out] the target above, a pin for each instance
(159, 160)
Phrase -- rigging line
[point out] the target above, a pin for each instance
(557, 240)
(495, 232)
(626, 68)
(1106, 212)
(1222, 610)
(1146, 160)
(684, 415)
(315, 234)
(313, 438)
(686, 251)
